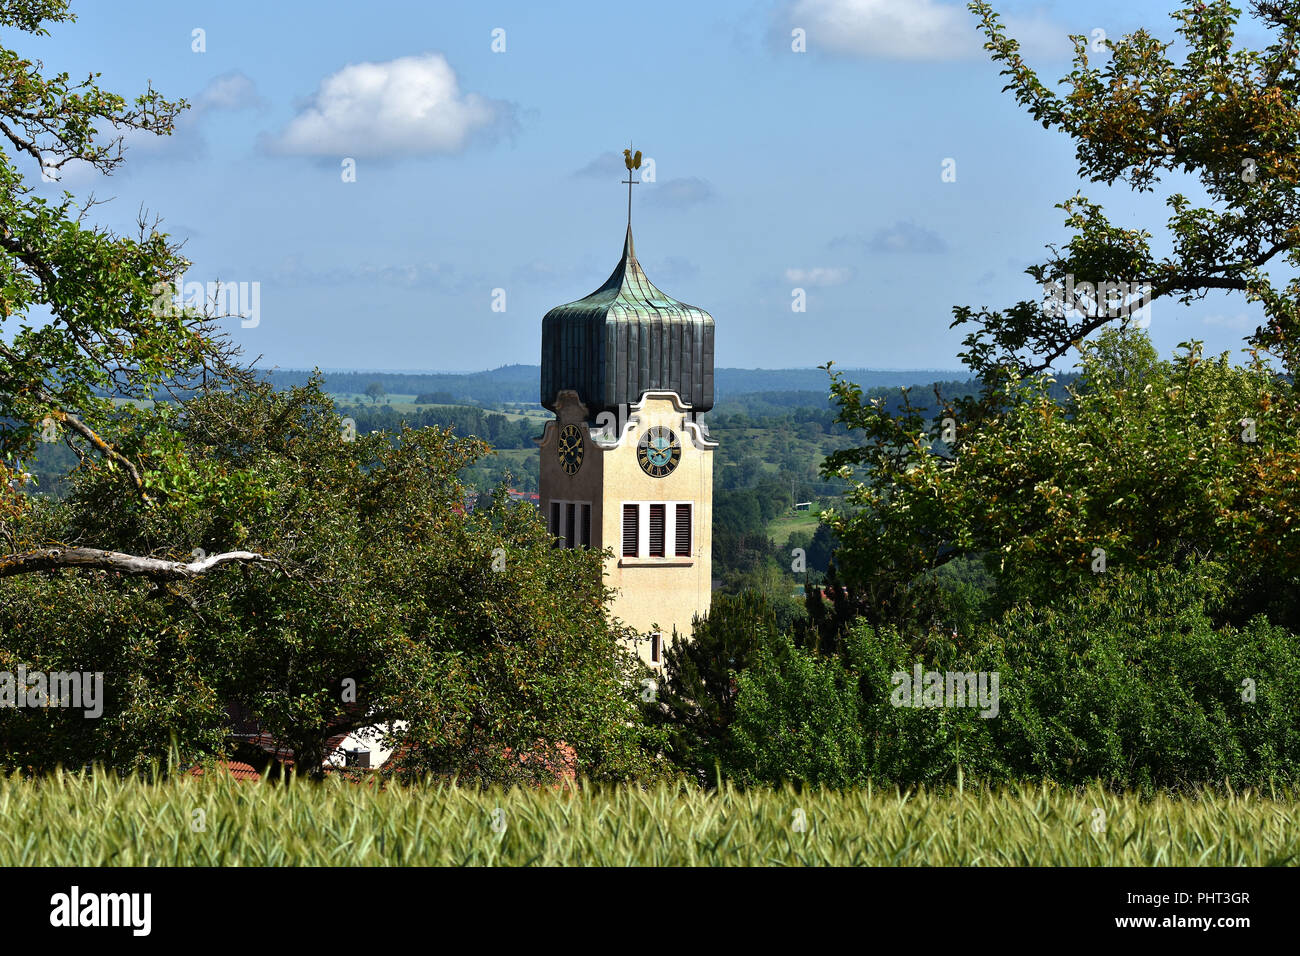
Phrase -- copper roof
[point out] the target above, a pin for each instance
(624, 339)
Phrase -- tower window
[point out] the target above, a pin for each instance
(656, 648)
(570, 523)
(631, 530)
(657, 531)
(683, 530)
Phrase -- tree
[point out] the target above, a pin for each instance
(798, 720)
(398, 604)
(1129, 683)
(375, 391)
(696, 701)
(1147, 463)
(1143, 462)
(114, 331)
(1228, 117)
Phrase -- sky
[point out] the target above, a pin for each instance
(485, 141)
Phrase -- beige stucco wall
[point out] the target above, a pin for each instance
(650, 593)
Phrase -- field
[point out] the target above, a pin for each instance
(94, 820)
(405, 404)
(781, 527)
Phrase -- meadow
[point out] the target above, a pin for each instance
(102, 820)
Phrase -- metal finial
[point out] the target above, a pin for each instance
(631, 162)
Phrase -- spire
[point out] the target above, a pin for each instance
(627, 337)
(631, 162)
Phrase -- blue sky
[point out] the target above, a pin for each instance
(479, 170)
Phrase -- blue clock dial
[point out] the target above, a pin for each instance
(658, 451)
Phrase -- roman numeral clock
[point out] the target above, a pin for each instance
(626, 464)
(658, 451)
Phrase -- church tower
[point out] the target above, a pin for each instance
(626, 465)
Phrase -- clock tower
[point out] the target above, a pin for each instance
(626, 464)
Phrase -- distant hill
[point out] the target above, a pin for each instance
(731, 381)
(510, 383)
(519, 383)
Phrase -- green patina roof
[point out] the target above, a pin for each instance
(625, 338)
(628, 290)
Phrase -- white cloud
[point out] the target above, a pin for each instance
(818, 275)
(911, 29)
(229, 91)
(409, 106)
(605, 166)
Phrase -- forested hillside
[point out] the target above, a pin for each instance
(519, 383)
(771, 447)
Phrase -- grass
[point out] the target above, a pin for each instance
(99, 820)
(782, 526)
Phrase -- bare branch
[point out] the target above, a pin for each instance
(157, 569)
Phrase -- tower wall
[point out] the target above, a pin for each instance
(651, 593)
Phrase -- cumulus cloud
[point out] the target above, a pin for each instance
(818, 275)
(409, 106)
(909, 29)
(680, 192)
(903, 237)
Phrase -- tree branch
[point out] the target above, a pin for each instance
(157, 569)
(104, 448)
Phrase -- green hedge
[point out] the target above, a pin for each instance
(1131, 684)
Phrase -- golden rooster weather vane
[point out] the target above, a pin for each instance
(631, 162)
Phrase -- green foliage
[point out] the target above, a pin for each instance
(468, 626)
(696, 700)
(1225, 115)
(1130, 683)
(1152, 462)
(102, 291)
(798, 720)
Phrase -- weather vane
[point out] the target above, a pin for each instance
(631, 162)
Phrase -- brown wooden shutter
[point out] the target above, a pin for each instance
(631, 530)
(570, 532)
(586, 526)
(555, 522)
(683, 530)
(657, 531)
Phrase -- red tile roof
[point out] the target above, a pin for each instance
(240, 771)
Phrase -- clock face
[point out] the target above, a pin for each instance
(570, 448)
(658, 451)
